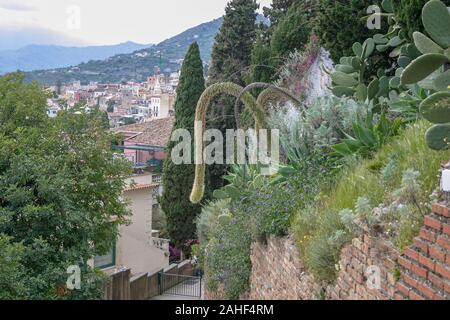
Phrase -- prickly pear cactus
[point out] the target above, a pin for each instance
(428, 71)
(435, 51)
(348, 80)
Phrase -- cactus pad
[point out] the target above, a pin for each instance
(438, 137)
(436, 108)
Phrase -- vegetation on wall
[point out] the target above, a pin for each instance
(352, 161)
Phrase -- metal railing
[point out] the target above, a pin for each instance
(180, 285)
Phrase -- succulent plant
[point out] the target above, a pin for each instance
(428, 70)
(205, 100)
(255, 107)
(349, 77)
(435, 51)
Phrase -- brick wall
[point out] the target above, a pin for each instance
(421, 271)
(425, 265)
(277, 272)
(367, 270)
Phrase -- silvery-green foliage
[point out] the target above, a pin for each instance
(410, 187)
(209, 217)
(365, 212)
(348, 218)
(339, 238)
(389, 172)
(321, 126)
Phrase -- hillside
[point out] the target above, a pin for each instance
(139, 64)
(39, 57)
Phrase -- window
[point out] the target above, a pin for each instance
(106, 261)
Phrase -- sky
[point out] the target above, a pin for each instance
(100, 22)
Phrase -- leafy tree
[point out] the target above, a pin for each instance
(12, 271)
(293, 30)
(231, 58)
(409, 14)
(277, 10)
(178, 179)
(262, 63)
(60, 191)
(339, 24)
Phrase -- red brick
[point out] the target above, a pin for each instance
(389, 263)
(422, 245)
(427, 235)
(402, 288)
(427, 262)
(447, 260)
(443, 270)
(399, 296)
(437, 253)
(415, 296)
(444, 242)
(436, 280)
(446, 228)
(426, 291)
(404, 262)
(447, 286)
(409, 280)
(438, 296)
(411, 253)
(441, 210)
(433, 223)
(418, 270)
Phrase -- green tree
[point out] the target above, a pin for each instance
(277, 10)
(409, 14)
(263, 66)
(339, 24)
(178, 179)
(60, 191)
(293, 30)
(231, 58)
(12, 272)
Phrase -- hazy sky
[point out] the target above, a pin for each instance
(110, 21)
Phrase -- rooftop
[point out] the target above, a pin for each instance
(153, 133)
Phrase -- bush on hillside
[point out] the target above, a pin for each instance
(383, 185)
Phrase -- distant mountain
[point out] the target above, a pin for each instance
(38, 57)
(137, 66)
(13, 37)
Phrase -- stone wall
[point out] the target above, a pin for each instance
(370, 268)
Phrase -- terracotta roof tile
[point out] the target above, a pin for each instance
(153, 133)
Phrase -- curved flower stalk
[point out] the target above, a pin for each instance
(271, 92)
(205, 100)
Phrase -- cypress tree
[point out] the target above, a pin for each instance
(178, 179)
(293, 30)
(231, 58)
(409, 14)
(339, 24)
(277, 10)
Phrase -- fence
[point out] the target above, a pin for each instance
(121, 286)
